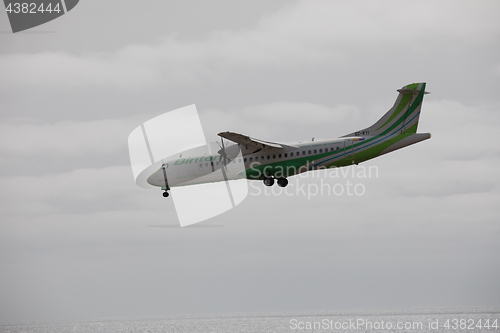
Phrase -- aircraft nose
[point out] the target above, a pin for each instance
(153, 180)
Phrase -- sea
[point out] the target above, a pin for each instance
(360, 321)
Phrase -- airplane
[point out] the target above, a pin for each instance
(272, 162)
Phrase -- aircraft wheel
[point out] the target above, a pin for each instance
(282, 182)
(268, 181)
(165, 194)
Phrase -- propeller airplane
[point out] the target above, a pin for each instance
(270, 162)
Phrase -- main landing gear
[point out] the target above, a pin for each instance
(282, 182)
(269, 181)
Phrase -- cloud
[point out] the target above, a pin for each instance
(448, 164)
(386, 22)
(282, 121)
(76, 226)
(461, 132)
(66, 138)
(78, 191)
(308, 33)
(277, 121)
(67, 71)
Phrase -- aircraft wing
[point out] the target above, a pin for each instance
(251, 145)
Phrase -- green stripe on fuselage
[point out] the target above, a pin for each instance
(360, 156)
(286, 166)
(369, 153)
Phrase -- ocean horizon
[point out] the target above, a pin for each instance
(478, 319)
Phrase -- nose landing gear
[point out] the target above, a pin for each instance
(165, 194)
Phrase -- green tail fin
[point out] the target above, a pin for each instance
(403, 116)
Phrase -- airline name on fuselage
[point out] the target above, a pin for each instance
(195, 160)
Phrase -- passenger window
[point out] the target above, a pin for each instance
(309, 152)
(274, 156)
(245, 159)
(286, 155)
(291, 154)
(320, 151)
(331, 149)
(256, 158)
(315, 151)
(303, 152)
(338, 148)
(201, 165)
(268, 157)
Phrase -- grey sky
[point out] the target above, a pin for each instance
(78, 239)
